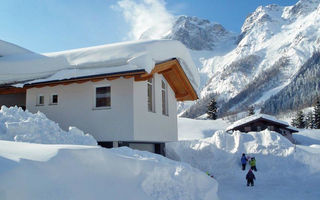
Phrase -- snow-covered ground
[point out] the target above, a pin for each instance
(23, 126)
(189, 129)
(285, 171)
(61, 171)
(42, 171)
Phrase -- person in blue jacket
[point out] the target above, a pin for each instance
(244, 161)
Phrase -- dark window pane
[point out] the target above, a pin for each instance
(103, 97)
(41, 100)
(55, 98)
(150, 103)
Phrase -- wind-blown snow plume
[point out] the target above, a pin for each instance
(148, 17)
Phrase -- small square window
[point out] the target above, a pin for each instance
(103, 97)
(54, 99)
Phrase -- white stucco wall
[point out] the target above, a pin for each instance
(128, 119)
(76, 108)
(154, 126)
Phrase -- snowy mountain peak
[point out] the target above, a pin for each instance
(274, 43)
(198, 34)
(301, 8)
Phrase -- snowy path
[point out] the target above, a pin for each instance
(283, 171)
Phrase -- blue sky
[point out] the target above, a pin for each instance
(55, 25)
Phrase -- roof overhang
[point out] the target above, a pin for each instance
(171, 70)
(176, 78)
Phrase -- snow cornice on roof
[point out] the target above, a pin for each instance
(92, 61)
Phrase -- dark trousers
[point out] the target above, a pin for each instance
(243, 166)
(254, 168)
(250, 181)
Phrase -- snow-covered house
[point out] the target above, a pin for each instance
(122, 94)
(261, 122)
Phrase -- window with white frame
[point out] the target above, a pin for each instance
(103, 97)
(151, 103)
(164, 94)
(54, 99)
(40, 100)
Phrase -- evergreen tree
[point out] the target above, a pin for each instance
(212, 109)
(298, 121)
(251, 110)
(317, 115)
(309, 122)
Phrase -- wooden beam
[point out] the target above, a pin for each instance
(128, 77)
(181, 95)
(12, 90)
(112, 78)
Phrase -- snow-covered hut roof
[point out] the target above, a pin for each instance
(254, 118)
(118, 57)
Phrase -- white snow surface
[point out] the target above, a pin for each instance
(285, 171)
(307, 137)
(111, 58)
(125, 56)
(18, 64)
(254, 117)
(86, 172)
(189, 129)
(23, 126)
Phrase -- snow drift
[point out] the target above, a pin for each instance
(84, 172)
(279, 162)
(23, 126)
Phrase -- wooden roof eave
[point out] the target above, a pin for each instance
(176, 78)
(171, 71)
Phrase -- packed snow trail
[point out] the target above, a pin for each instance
(284, 172)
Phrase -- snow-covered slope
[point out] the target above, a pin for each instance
(23, 126)
(285, 171)
(189, 129)
(38, 171)
(275, 41)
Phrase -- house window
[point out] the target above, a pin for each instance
(258, 128)
(164, 93)
(54, 99)
(247, 129)
(270, 128)
(103, 97)
(40, 100)
(151, 95)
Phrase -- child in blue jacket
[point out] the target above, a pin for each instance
(244, 161)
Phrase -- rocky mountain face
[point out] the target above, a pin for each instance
(198, 34)
(251, 68)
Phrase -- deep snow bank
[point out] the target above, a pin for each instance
(88, 172)
(307, 137)
(189, 129)
(23, 126)
(280, 164)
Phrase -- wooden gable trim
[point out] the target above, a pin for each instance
(176, 78)
(12, 90)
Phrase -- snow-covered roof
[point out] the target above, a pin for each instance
(292, 128)
(255, 117)
(18, 64)
(7, 48)
(112, 58)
